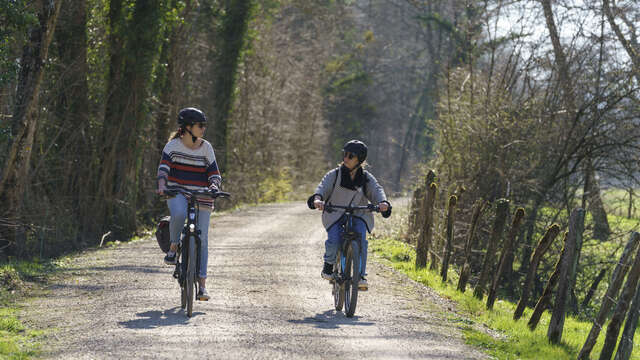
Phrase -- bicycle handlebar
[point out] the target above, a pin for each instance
(373, 208)
(208, 193)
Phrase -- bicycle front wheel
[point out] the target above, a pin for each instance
(352, 277)
(338, 289)
(190, 276)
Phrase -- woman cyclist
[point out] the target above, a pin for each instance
(349, 184)
(189, 163)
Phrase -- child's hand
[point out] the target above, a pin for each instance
(319, 204)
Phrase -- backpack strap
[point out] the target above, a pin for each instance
(335, 179)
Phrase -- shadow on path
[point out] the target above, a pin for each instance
(331, 319)
(156, 318)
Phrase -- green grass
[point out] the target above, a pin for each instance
(508, 339)
(616, 202)
(16, 340)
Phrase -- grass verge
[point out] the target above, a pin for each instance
(19, 279)
(507, 339)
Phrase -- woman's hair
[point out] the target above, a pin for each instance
(176, 134)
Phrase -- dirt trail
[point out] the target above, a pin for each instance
(267, 301)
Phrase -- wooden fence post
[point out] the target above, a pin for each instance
(424, 240)
(414, 216)
(466, 268)
(448, 247)
(593, 288)
(536, 257)
(545, 298)
(625, 347)
(502, 211)
(613, 329)
(608, 300)
(576, 228)
(506, 252)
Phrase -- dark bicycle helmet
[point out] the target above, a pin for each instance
(356, 147)
(190, 116)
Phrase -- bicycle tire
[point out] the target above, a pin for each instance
(352, 269)
(338, 289)
(183, 290)
(183, 296)
(190, 276)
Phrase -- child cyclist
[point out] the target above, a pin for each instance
(349, 184)
(189, 163)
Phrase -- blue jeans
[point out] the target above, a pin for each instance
(334, 240)
(178, 209)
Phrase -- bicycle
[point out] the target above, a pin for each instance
(185, 272)
(346, 269)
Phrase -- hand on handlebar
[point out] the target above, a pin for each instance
(319, 204)
(162, 186)
(383, 206)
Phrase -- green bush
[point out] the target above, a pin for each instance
(275, 188)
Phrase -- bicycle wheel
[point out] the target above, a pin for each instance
(338, 289)
(183, 296)
(352, 272)
(190, 275)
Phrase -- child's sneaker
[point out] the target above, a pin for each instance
(327, 271)
(170, 259)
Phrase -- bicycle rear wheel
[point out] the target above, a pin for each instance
(352, 275)
(190, 276)
(338, 289)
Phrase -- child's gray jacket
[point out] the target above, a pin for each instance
(339, 195)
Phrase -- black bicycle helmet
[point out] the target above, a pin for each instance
(190, 116)
(356, 147)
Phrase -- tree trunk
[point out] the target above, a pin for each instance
(15, 175)
(448, 248)
(502, 211)
(234, 28)
(541, 249)
(630, 208)
(612, 293)
(576, 228)
(628, 292)
(126, 112)
(545, 298)
(592, 198)
(630, 45)
(72, 111)
(506, 253)
(478, 207)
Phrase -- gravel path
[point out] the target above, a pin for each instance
(267, 301)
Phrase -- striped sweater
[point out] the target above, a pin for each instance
(189, 169)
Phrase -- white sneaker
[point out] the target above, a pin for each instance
(363, 285)
(203, 295)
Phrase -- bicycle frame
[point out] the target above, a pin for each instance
(189, 282)
(348, 236)
(348, 259)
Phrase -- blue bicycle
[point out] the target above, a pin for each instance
(346, 270)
